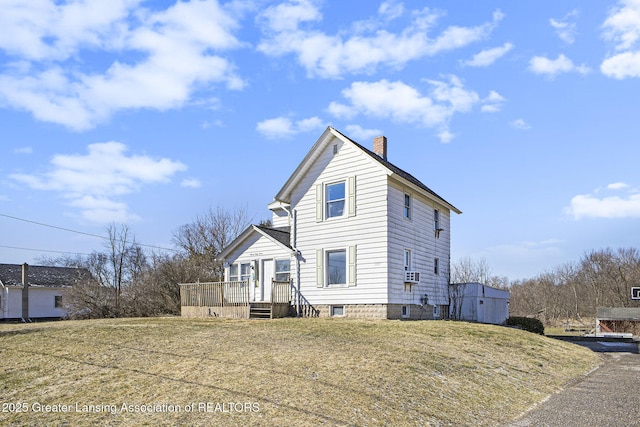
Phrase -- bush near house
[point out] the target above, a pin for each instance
(527, 323)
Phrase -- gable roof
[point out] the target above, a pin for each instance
(280, 236)
(391, 169)
(43, 276)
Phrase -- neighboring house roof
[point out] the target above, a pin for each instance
(618, 313)
(42, 276)
(285, 193)
(279, 235)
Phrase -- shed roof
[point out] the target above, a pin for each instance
(43, 276)
(618, 313)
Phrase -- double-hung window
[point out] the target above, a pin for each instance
(407, 260)
(337, 267)
(436, 219)
(282, 270)
(233, 273)
(335, 200)
(245, 272)
(407, 206)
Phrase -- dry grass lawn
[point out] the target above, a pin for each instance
(285, 372)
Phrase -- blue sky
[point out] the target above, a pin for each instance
(522, 114)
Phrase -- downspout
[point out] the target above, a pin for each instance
(293, 221)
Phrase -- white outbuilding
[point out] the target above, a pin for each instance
(476, 302)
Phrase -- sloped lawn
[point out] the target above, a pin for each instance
(286, 372)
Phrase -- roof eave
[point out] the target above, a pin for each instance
(426, 194)
(242, 237)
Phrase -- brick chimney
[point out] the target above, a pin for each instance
(380, 146)
(25, 292)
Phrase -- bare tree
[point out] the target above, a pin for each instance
(468, 270)
(204, 238)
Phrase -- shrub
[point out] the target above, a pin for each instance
(527, 323)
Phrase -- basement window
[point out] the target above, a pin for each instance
(337, 310)
(406, 313)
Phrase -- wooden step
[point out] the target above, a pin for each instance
(260, 311)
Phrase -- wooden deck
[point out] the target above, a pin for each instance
(232, 300)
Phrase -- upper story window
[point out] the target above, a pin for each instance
(335, 200)
(407, 206)
(436, 266)
(407, 260)
(436, 219)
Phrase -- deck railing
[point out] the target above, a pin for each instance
(214, 294)
(280, 292)
(236, 295)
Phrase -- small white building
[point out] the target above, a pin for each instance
(476, 302)
(42, 297)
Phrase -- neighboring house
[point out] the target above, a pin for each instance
(42, 297)
(476, 302)
(356, 235)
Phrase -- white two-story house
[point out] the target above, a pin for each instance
(356, 235)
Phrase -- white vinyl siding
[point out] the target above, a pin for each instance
(418, 235)
(363, 226)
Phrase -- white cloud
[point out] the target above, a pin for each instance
(191, 183)
(621, 66)
(332, 56)
(402, 103)
(606, 206)
(391, 9)
(520, 124)
(617, 186)
(486, 57)
(622, 28)
(284, 127)
(492, 103)
(360, 134)
(92, 182)
(565, 28)
(157, 59)
(553, 67)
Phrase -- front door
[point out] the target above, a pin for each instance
(265, 279)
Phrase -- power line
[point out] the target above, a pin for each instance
(43, 250)
(79, 232)
(52, 226)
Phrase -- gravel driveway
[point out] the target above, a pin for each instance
(607, 397)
